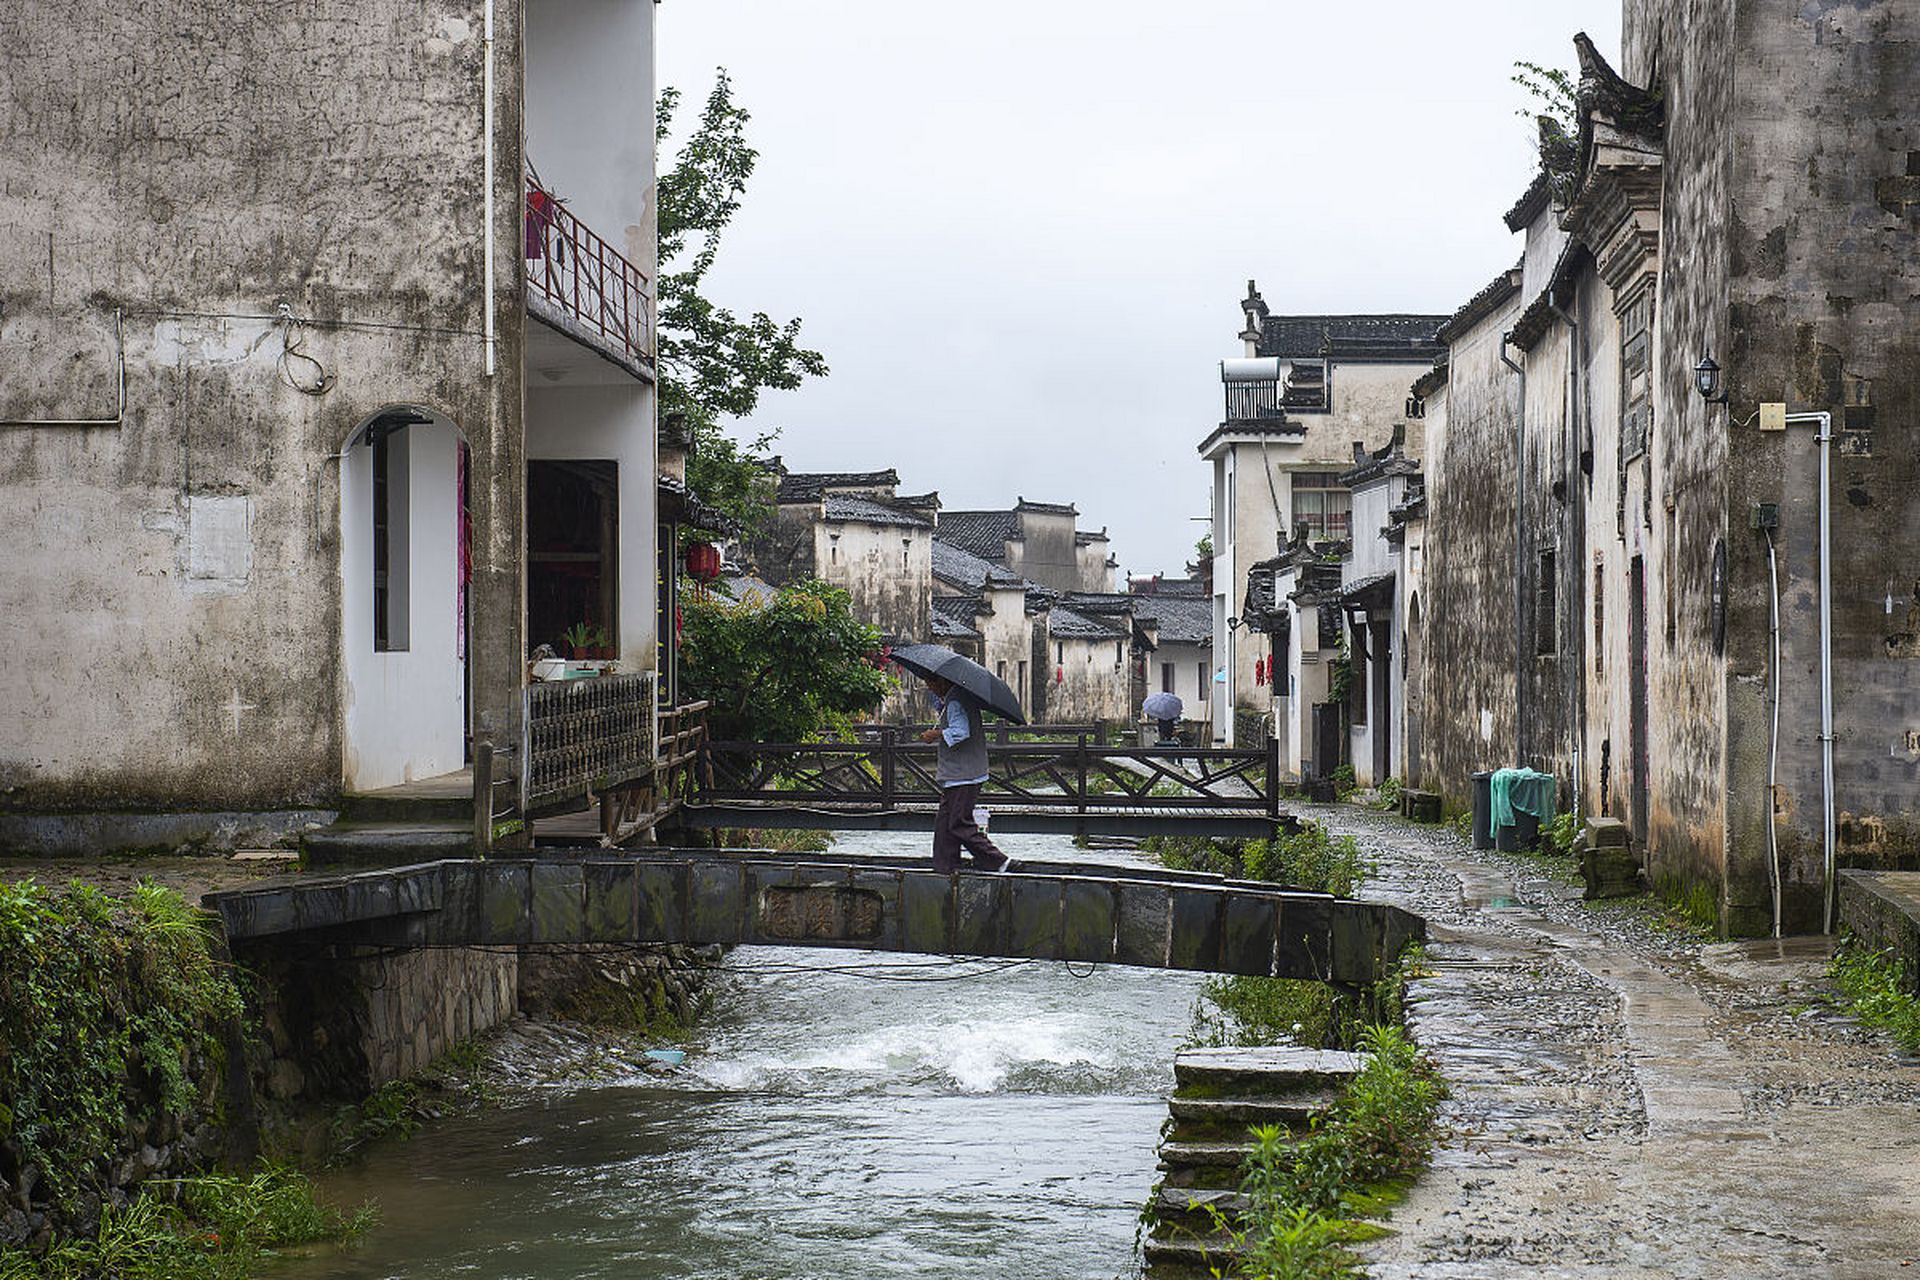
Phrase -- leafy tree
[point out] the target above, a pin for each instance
(713, 364)
(785, 671)
(1556, 117)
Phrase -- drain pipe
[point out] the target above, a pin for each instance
(490, 341)
(1773, 738)
(1577, 495)
(1519, 558)
(1825, 423)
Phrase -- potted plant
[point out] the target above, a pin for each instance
(584, 640)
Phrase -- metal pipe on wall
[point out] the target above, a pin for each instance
(120, 405)
(1825, 438)
(1773, 739)
(486, 237)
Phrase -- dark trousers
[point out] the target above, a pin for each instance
(954, 830)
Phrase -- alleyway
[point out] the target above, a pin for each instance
(1629, 1101)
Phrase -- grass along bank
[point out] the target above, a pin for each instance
(1309, 1196)
(117, 1019)
(1872, 990)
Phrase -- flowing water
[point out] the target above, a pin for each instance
(839, 1114)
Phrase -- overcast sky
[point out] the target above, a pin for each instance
(1019, 232)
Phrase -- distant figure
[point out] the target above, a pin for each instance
(961, 772)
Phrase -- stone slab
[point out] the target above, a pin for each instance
(559, 903)
(1086, 920)
(1146, 919)
(1033, 922)
(1268, 1069)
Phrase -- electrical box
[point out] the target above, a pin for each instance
(1773, 415)
(1765, 515)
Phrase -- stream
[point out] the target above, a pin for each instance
(838, 1114)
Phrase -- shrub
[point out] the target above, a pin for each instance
(109, 1008)
(1343, 783)
(1875, 993)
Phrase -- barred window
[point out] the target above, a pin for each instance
(1322, 505)
(1546, 608)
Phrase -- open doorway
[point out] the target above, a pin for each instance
(404, 569)
(573, 557)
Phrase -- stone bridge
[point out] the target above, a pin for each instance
(1044, 911)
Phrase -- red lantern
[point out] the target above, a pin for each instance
(703, 561)
(1059, 675)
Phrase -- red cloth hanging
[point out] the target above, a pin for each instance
(540, 208)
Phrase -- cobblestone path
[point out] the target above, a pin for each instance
(1630, 1100)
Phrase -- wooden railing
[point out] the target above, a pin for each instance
(585, 737)
(584, 277)
(1078, 776)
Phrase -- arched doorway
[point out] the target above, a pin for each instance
(404, 567)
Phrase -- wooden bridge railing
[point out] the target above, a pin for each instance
(1077, 775)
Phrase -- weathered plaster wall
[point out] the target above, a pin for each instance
(886, 568)
(1468, 720)
(171, 582)
(1095, 573)
(1045, 550)
(1085, 683)
(1815, 209)
(1006, 634)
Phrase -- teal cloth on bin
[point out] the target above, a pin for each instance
(1527, 790)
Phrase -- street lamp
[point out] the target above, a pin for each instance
(1706, 380)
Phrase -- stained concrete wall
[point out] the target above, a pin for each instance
(1006, 634)
(1044, 550)
(1806, 144)
(1468, 718)
(1085, 681)
(886, 568)
(172, 582)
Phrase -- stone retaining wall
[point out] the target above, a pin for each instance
(1883, 910)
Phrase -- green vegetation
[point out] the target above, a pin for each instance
(1386, 796)
(1871, 982)
(1250, 1011)
(112, 1014)
(1343, 781)
(221, 1228)
(1691, 900)
(1308, 859)
(1307, 1196)
(109, 1010)
(1562, 835)
(712, 363)
(787, 671)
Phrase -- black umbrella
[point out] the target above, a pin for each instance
(984, 687)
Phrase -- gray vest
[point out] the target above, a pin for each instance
(969, 759)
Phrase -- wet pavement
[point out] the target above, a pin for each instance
(1630, 1099)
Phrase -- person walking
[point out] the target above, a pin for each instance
(961, 771)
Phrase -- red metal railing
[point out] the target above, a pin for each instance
(585, 277)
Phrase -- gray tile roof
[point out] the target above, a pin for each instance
(866, 511)
(744, 586)
(1369, 337)
(1074, 625)
(953, 616)
(1180, 619)
(807, 486)
(980, 533)
(963, 569)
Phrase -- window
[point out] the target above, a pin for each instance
(1166, 677)
(1021, 692)
(390, 538)
(1636, 376)
(1000, 669)
(1060, 653)
(1357, 676)
(1599, 616)
(1119, 653)
(1322, 506)
(1546, 608)
(906, 545)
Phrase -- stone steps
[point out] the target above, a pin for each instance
(1218, 1095)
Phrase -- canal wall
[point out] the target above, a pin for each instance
(339, 1024)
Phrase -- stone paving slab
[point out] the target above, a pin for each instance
(1631, 1101)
